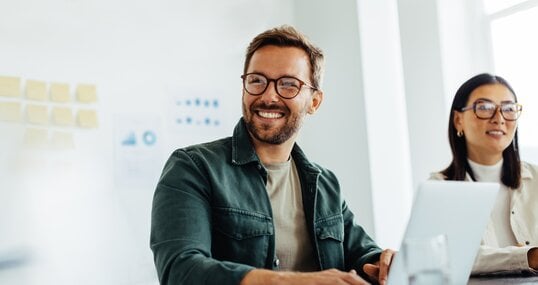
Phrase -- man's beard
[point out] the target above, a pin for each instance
(277, 136)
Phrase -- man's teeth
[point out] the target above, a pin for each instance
(270, 115)
(497, 133)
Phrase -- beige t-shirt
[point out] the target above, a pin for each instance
(293, 246)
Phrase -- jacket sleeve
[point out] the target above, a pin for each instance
(359, 248)
(181, 228)
(495, 259)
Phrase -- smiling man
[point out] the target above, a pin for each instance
(251, 208)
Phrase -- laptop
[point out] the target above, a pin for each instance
(460, 210)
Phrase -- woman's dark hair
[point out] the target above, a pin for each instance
(511, 168)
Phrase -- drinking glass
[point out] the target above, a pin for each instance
(426, 260)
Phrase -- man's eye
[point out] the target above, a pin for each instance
(255, 81)
(289, 84)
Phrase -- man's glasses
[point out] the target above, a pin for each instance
(486, 110)
(286, 86)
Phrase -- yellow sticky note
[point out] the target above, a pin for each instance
(36, 137)
(62, 140)
(10, 86)
(62, 116)
(87, 118)
(59, 92)
(10, 111)
(37, 114)
(86, 93)
(36, 90)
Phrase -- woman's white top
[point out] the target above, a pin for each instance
(513, 226)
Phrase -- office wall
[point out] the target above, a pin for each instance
(81, 214)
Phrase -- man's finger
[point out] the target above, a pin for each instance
(371, 270)
(384, 264)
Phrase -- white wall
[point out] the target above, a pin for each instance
(386, 118)
(424, 87)
(72, 221)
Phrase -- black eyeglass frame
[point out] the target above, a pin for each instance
(497, 108)
(275, 80)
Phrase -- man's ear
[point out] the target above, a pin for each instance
(317, 98)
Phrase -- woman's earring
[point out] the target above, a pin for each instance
(459, 134)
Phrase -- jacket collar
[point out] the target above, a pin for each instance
(242, 149)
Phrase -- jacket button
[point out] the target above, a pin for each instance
(259, 167)
(276, 262)
(527, 242)
(513, 212)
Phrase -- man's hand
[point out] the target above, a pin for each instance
(325, 277)
(379, 271)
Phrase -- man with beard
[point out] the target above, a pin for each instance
(251, 208)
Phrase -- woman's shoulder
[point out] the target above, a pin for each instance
(529, 170)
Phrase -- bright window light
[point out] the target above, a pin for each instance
(493, 6)
(515, 54)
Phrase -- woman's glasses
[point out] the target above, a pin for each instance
(486, 110)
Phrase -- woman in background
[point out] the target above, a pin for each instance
(483, 137)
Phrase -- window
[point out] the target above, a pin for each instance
(515, 55)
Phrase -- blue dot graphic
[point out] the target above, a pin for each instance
(149, 138)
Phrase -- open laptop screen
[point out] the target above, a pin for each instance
(460, 210)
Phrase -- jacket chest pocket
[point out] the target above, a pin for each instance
(330, 238)
(241, 236)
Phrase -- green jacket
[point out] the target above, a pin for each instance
(212, 220)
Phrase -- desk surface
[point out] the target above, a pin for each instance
(502, 280)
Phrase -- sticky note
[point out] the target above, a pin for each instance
(36, 137)
(62, 116)
(37, 114)
(87, 118)
(59, 92)
(10, 111)
(86, 93)
(10, 86)
(36, 90)
(62, 140)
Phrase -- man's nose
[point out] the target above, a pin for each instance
(270, 94)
